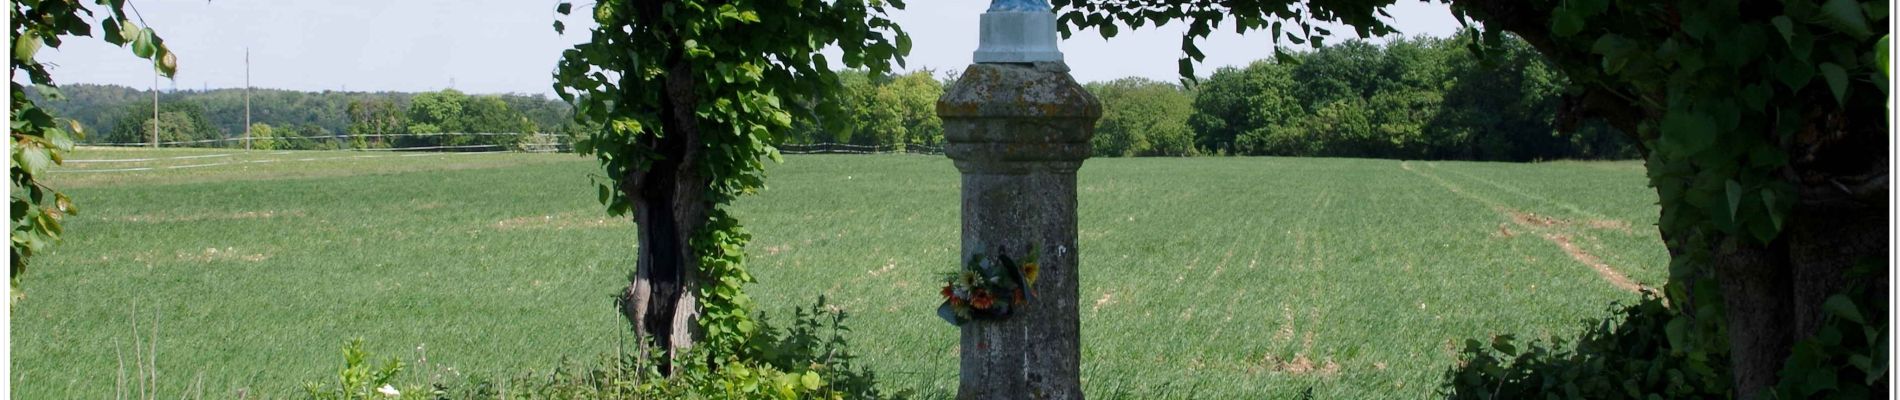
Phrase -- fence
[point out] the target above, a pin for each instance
(545, 143)
(842, 148)
(549, 143)
(542, 143)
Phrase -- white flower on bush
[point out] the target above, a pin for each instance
(388, 390)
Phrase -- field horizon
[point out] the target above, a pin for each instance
(1248, 277)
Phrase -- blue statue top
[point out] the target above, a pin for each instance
(1019, 5)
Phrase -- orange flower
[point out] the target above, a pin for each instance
(1016, 297)
(947, 293)
(982, 300)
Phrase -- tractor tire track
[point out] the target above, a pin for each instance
(1551, 230)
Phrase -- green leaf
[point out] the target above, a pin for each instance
(1840, 306)
(113, 35)
(1285, 57)
(25, 47)
(59, 139)
(1820, 379)
(564, 8)
(145, 44)
(1194, 52)
(1836, 81)
(128, 31)
(1794, 73)
(1881, 52)
(1734, 198)
(1847, 16)
(1687, 133)
(33, 158)
(1677, 332)
(1503, 345)
(811, 381)
(1566, 22)
(1785, 26)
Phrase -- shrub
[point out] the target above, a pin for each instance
(1629, 355)
(807, 359)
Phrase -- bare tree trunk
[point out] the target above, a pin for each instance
(670, 207)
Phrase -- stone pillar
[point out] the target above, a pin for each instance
(1018, 132)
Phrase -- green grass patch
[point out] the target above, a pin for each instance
(1202, 277)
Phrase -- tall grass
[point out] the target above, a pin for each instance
(1215, 277)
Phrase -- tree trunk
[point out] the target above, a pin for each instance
(1773, 293)
(670, 205)
(1755, 283)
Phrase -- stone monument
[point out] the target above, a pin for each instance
(1018, 126)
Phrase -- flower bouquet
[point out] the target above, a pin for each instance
(989, 287)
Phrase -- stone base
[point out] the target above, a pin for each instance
(1017, 37)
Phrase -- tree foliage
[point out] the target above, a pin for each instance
(1142, 117)
(1762, 124)
(263, 137)
(882, 110)
(1412, 98)
(102, 107)
(177, 122)
(689, 96)
(39, 137)
(371, 120)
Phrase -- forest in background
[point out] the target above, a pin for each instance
(1411, 98)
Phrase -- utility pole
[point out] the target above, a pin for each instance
(247, 98)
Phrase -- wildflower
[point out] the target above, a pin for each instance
(389, 391)
(982, 301)
(1030, 270)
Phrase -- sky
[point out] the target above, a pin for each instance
(509, 46)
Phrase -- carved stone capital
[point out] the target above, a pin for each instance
(1016, 118)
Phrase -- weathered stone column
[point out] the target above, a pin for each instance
(1018, 132)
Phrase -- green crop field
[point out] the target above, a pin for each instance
(1202, 277)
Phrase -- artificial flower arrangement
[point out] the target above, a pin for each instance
(989, 287)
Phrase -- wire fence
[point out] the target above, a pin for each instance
(238, 141)
(524, 143)
(255, 161)
(531, 142)
(843, 148)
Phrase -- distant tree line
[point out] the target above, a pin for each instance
(1416, 98)
(889, 110)
(1413, 98)
(318, 120)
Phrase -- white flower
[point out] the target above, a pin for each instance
(388, 390)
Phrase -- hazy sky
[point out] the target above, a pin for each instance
(497, 46)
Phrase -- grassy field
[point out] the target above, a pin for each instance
(1203, 277)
